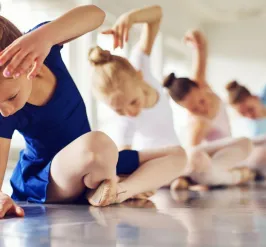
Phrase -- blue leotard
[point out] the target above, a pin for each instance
(47, 130)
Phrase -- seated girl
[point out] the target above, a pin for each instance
(206, 118)
(144, 115)
(253, 112)
(133, 93)
(64, 161)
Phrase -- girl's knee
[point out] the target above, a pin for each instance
(99, 150)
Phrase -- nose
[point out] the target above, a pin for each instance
(5, 112)
(133, 113)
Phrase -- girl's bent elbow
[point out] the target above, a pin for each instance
(100, 14)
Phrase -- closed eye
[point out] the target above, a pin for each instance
(12, 98)
(134, 102)
(202, 101)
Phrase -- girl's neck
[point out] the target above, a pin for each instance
(43, 87)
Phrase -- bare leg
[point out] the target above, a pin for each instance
(83, 164)
(148, 155)
(151, 175)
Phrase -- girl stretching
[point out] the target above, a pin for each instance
(64, 161)
(253, 112)
(207, 119)
(129, 88)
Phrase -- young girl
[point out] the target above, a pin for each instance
(63, 158)
(129, 88)
(253, 111)
(246, 104)
(207, 118)
(134, 93)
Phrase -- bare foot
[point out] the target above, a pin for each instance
(141, 196)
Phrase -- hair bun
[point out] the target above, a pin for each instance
(168, 81)
(99, 56)
(232, 86)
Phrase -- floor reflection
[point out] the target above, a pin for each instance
(232, 217)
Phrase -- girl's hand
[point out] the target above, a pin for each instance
(25, 55)
(120, 30)
(195, 38)
(9, 207)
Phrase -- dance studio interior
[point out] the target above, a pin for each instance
(170, 148)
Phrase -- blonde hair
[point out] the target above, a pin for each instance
(108, 69)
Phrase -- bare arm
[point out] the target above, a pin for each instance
(199, 56)
(198, 130)
(73, 24)
(151, 18)
(7, 205)
(4, 151)
(28, 52)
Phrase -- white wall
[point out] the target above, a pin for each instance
(237, 51)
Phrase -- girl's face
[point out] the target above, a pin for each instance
(250, 108)
(196, 102)
(128, 102)
(128, 98)
(14, 93)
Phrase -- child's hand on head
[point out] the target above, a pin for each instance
(9, 207)
(25, 55)
(120, 30)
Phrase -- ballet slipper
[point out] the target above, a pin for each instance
(182, 183)
(104, 195)
(243, 175)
